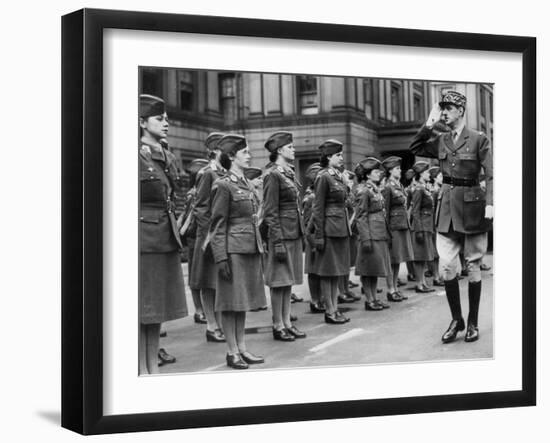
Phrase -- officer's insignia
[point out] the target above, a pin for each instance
(280, 169)
(234, 179)
(150, 169)
(331, 172)
(214, 167)
(239, 192)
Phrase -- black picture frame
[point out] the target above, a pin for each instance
(82, 219)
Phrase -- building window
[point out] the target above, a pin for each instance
(482, 106)
(186, 90)
(367, 89)
(418, 113)
(307, 94)
(151, 81)
(228, 93)
(396, 103)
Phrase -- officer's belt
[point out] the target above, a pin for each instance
(453, 181)
(335, 205)
(288, 206)
(237, 220)
(168, 205)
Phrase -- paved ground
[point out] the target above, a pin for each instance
(408, 331)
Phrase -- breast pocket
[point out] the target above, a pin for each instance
(469, 164)
(241, 204)
(151, 187)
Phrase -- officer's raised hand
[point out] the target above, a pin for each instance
(280, 252)
(224, 270)
(435, 115)
(489, 212)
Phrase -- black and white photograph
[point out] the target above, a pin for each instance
(293, 221)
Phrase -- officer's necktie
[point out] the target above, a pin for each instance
(455, 136)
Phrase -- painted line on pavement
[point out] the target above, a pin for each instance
(345, 336)
(212, 368)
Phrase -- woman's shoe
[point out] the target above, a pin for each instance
(403, 296)
(382, 303)
(293, 317)
(251, 359)
(215, 336)
(235, 361)
(371, 306)
(423, 289)
(199, 318)
(438, 282)
(282, 335)
(332, 319)
(293, 330)
(316, 308)
(352, 284)
(341, 316)
(394, 297)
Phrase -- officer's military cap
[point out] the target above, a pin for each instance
(312, 171)
(391, 162)
(278, 140)
(453, 98)
(434, 170)
(420, 166)
(409, 174)
(231, 143)
(212, 140)
(196, 165)
(330, 147)
(150, 105)
(252, 173)
(370, 163)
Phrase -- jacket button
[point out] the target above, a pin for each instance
(454, 153)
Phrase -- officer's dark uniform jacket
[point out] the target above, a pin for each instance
(462, 202)
(234, 221)
(422, 209)
(158, 175)
(371, 216)
(395, 198)
(281, 205)
(330, 215)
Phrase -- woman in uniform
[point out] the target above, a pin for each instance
(373, 255)
(422, 221)
(395, 198)
(436, 180)
(331, 229)
(203, 273)
(188, 231)
(237, 249)
(161, 286)
(283, 220)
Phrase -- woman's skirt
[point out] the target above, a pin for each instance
(423, 251)
(333, 260)
(352, 249)
(203, 272)
(285, 273)
(245, 291)
(161, 288)
(375, 263)
(401, 246)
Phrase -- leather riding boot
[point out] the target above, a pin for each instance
(452, 291)
(474, 295)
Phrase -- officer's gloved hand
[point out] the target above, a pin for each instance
(224, 270)
(366, 246)
(319, 244)
(419, 237)
(280, 252)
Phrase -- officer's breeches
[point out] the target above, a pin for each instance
(449, 245)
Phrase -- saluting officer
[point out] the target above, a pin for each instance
(203, 275)
(331, 228)
(422, 210)
(161, 286)
(395, 198)
(188, 231)
(464, 206)
(237, 249)
(283, 219)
